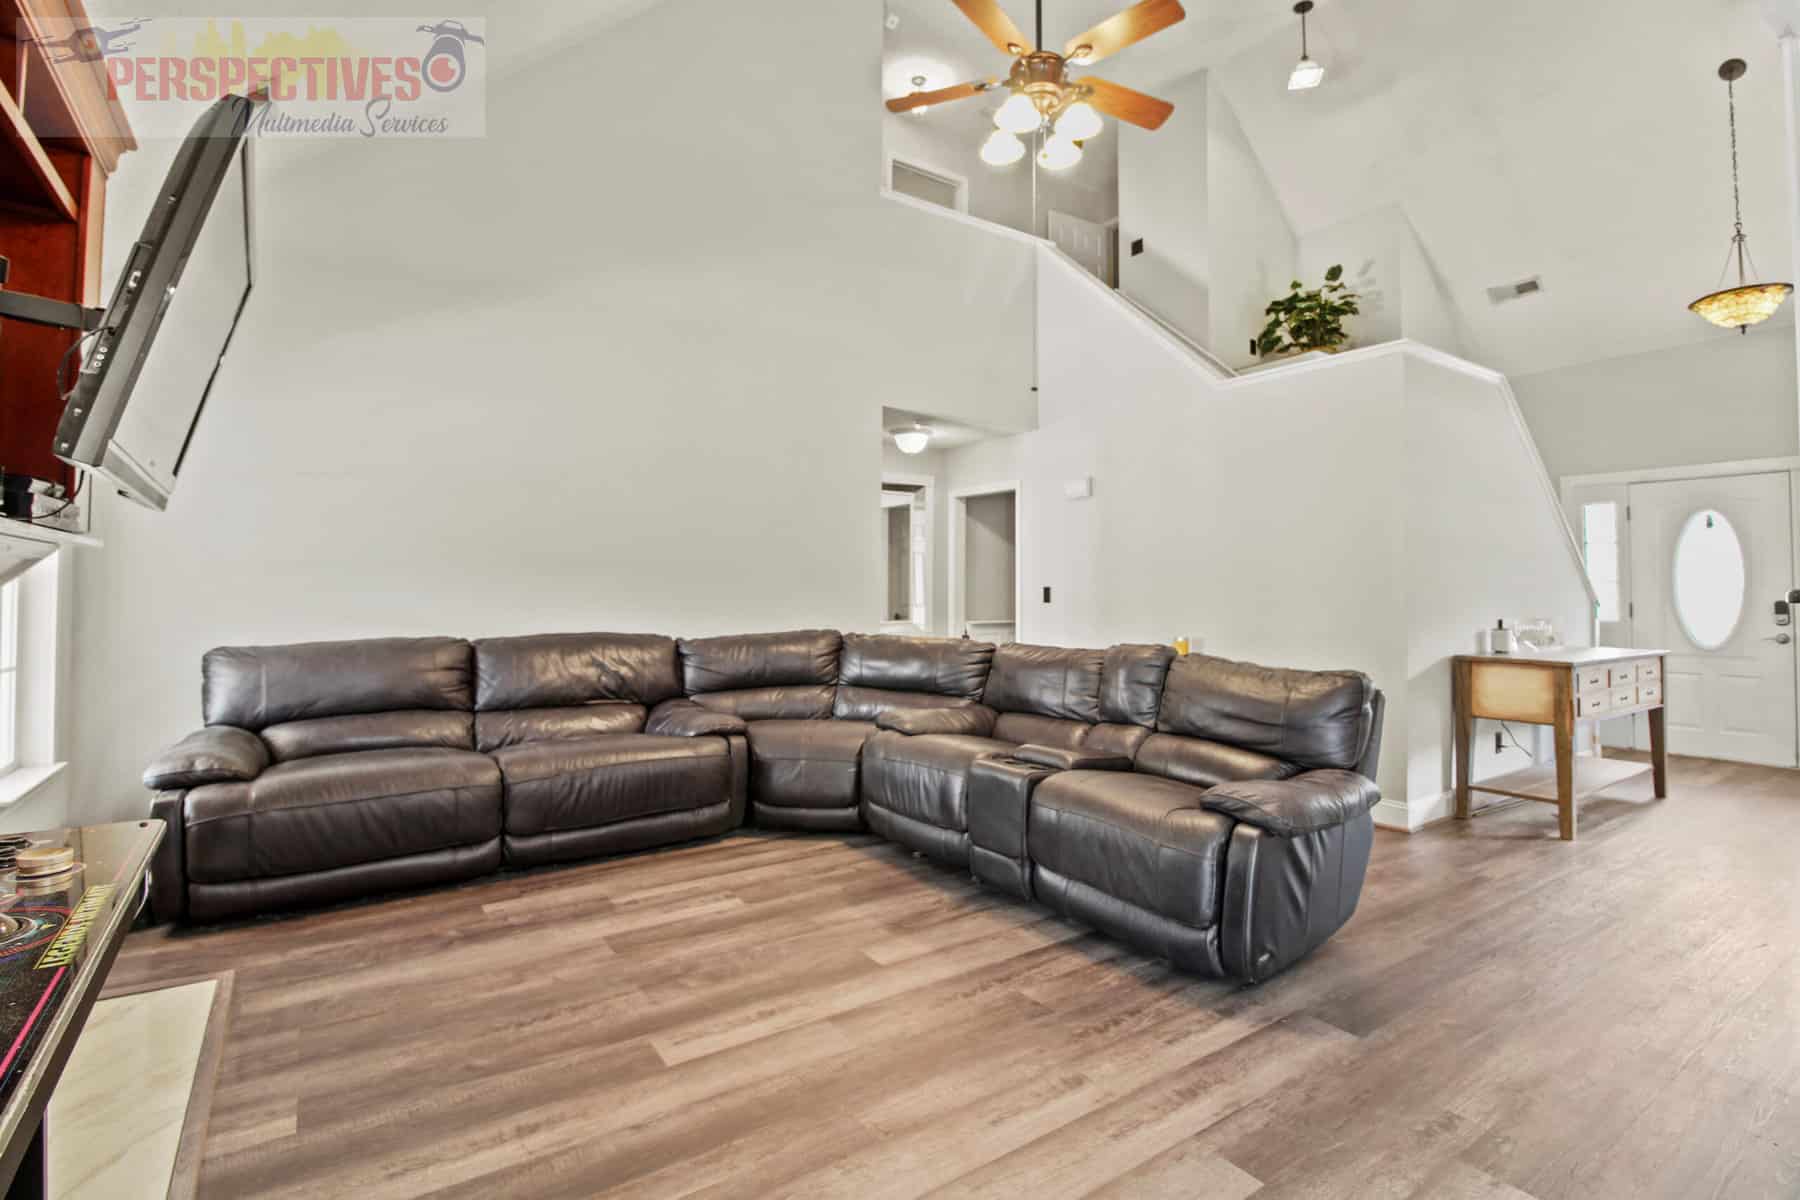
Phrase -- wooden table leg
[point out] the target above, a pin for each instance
(1659, 753)
(1463, 733)
(1565, 755)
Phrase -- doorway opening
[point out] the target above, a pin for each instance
(984, 563)
(907, 502)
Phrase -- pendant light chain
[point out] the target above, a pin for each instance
(1737, 202)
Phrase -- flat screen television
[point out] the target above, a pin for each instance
(152, 363)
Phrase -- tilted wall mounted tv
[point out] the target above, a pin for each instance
(145, 379)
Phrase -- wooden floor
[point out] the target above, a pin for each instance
(1507, 1015)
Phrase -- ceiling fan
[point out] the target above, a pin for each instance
(1042, 92)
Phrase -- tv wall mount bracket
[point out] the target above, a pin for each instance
(41, 310)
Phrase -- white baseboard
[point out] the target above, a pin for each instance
(1412, 817)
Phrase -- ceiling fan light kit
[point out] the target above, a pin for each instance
(1748, 303)
(1002, 149)
(1307, 73)
(1041, 94)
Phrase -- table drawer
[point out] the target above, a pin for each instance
(1649, 693)
(1590, 704)
(1650, 671)
(1624, 697)
(1623, 675)
(1592, 679)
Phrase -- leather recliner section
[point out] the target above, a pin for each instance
(1211, 812)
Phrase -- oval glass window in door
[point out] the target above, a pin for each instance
(1709, 579)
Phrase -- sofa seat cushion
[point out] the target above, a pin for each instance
(338, 810)
(582, 783)
(924, 778)
(806, 764)
(1137, 838)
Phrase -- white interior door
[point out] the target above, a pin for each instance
(1083, 241)
(1709, 559)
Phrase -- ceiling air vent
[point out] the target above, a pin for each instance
(1515, 291)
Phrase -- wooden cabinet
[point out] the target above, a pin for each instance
(61, 133)
(1557, 688)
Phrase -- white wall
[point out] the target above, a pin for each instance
(1484, 542)
(1323, 514)
(1402, 294)
(1163, 200)
(616, 366)
(1725, 398)
(1252, 251)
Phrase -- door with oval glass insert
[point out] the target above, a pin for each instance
(1709, 559)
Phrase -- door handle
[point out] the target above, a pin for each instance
(1780, 639)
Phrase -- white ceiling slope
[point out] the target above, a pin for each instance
(1585, 143)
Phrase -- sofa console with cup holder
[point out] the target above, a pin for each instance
(1211, 812)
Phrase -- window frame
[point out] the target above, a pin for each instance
(9, 677)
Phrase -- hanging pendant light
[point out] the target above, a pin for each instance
(1748, 303)
(1307, 73)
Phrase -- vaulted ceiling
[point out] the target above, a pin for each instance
(1581, 142)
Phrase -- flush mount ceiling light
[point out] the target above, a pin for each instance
(914, 440)
(1748, 303)
(1042, 96)
(1307, 73)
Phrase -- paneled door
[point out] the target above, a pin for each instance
(1709, 560)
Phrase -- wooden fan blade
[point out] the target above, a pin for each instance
(1116, 100)
(992, 20)
(961, 91)
(1122, 29)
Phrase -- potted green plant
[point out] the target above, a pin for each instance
(1308, 319)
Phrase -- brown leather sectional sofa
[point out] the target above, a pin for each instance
(1211, 812)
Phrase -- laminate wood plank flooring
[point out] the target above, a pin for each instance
(1508, 1016)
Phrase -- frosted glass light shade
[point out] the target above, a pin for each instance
(1307, 74)
(1018, 114)
(1002, 149)
(914, 441)
(1059, 153)
(1079, 122)
(1734, 308)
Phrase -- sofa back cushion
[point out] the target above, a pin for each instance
(877, 673)
(1046, 681)
(566, 685)
(1131, 683)
(1311, 719)
(560, 670)
(764, 676)
(255, 687)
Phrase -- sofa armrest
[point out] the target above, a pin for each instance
(1306, 803)
(973, 719)
(1071, 760)
(216, 754)
(684, 718)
